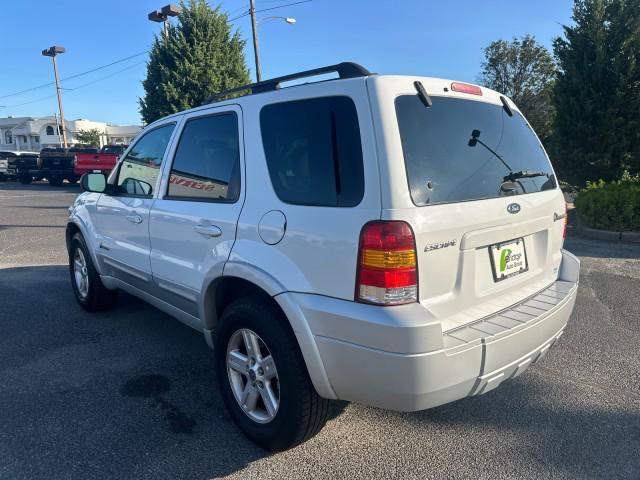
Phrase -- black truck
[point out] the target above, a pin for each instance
(20, 165)
(56, 164)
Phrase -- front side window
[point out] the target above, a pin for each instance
(459, 150)
(313, 151)
(139, 170)
(206, 165)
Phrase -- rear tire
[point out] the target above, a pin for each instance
(300, 412)
(56, 181)
(25, 179)
(88, 289)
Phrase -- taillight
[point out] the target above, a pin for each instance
(466, 88)
(75, 161)
(387, 264)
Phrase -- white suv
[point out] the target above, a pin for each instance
(389, 240)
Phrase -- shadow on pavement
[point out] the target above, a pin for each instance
(127, 393)
(584, 442)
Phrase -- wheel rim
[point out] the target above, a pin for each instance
(80, 273)
(253, 376)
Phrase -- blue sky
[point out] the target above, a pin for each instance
(422, 37)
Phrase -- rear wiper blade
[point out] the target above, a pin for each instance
(524, 174)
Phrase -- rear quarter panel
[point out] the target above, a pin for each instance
(318, 253)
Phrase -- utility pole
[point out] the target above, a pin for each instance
(254, 28)
(52, 52)
(58, 128)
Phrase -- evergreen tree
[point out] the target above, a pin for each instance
(597, 94)
(199, 58)
(524, 71)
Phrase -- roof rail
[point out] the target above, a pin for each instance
(344, 70)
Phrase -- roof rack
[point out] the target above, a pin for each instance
(344, 70)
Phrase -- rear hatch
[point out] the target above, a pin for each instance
(56, 159)
(473, 181)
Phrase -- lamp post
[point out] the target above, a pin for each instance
(53, 52)
(163, 15)
(254, 29)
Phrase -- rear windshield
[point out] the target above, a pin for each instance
(459, 150)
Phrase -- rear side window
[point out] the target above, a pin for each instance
(206, 165)
(460, 150)
(313, 151)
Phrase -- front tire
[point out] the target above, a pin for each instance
(262, 376)
(88, 289)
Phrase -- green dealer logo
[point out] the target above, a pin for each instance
(504, 258)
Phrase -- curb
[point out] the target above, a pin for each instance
(607, 235)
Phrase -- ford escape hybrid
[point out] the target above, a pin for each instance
(389, 240)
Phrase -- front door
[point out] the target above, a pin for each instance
(193, 222)
(123, 214)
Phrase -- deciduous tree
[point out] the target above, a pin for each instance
(523, 70)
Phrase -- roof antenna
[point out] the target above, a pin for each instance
(422, 94)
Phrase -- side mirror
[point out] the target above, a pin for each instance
(93, 182)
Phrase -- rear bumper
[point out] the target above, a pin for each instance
(399, 359)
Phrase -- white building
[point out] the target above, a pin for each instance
(34, 133)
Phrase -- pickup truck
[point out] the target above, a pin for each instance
(57, 164)
(20, 165)
(102, 162)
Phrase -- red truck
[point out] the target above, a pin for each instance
(98, 162)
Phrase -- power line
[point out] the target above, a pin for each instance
(107, 76)
(270, 8)
(74, 76)
(78, 87)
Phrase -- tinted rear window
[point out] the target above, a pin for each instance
(313, 151)
(444, 166)
(207, 161)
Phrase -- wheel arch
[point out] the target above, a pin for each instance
(75, 226)
(226, 288)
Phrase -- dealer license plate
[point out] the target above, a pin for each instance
(508, 259)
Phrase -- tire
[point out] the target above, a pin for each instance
(301, 412)
(2, 178)
(96, 297)
(56, 181)
(25, 179)
(72, 180)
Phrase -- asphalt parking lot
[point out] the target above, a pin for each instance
(131, 393)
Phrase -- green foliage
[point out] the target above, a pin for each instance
(597, 94)
(88, 137)
(611, 205)
(524, 71)
(199, 57)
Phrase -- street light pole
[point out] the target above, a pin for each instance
(163, 15)
(254, 28)
(53, 52)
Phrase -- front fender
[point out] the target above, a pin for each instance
(80, 217)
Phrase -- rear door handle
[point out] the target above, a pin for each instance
(208, 230)
(134, 218)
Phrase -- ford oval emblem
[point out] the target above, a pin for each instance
(513, 208)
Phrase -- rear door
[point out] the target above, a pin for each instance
(193, 222)
(477, 188)
(122, 220)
